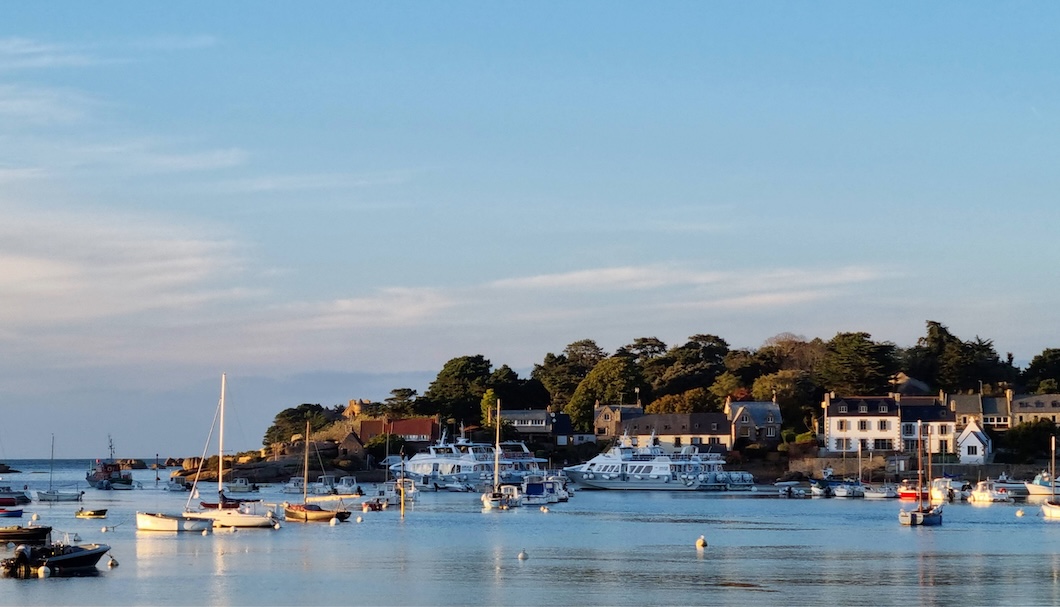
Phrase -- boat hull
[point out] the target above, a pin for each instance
(59, 558)
(311, 513)
(234, 518)
(590, 480)
(926, 517)
(173, 523)
(25, 535)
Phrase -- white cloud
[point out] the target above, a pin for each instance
(22, 53)
(176, 43)
(42, 106)
(620, 278)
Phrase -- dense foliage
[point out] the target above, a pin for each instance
(700, 374)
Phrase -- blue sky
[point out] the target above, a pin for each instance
(330, 200)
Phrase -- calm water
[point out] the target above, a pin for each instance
(601, 548)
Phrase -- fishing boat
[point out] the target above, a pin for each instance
(227, 512)
(924, 515)
(18, 497)
(1042, 484)
(82, 513)
(307, 512)
(1051, 506)
(56, 558)
(107, 473)
(30, 534)
(56, 495)
(987, 491)
(240, 484)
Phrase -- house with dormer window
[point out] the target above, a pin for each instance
(1033, 407)
(868, 423)
(755, 422)
(674, 431)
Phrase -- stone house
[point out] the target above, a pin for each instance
(756, 421)
(674, 431)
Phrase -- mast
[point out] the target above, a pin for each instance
(1052, 468)
(51, 464)
(919, 467)
(305, 472)
(497, 451)
(221, 442)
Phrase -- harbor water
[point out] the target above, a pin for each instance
(600, 548)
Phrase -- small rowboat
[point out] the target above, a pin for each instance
(11, 512)
(82, 513)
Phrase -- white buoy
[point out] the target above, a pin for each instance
(359, 519)
(522, 555)
(701, 542)
(276, 525)
(544, 508)
(1019, 512)
(334, 521)
(113, 562)
(35, 517)
(205, 532)
(103, 530)
(44, 572)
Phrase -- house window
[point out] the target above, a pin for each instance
(863, 408)
(714, 440)
(842, 408)
(697, 440)
(883, 444)
(714, 427)
(744, 418)
(964, 419)
(771, 432)
(601, 430)
(881, 425)
(677, 441)
(908, 429)
(863, 425)
(745, 431)
(944, 429)
(769, 420)
(973, 449)
(841, 425)
(607, 417)
(883, 408)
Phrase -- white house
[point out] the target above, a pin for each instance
(973, 445)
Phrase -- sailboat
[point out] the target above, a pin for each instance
(500, 498)
(54, 495)
(1051, 506)
(924, 514)
(228, 512)
(307, 512)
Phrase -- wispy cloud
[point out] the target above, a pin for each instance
(23, 53)
(21, 104)
(314, 181)
(620, 278)
(176, 43)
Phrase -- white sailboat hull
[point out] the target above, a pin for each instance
(158, 521)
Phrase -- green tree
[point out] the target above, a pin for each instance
(560, 374)
(1030, 440)
(694, 364)
(855, 365)
(488, 407)
(612, 381)
(378, 448)
(796, 394)
(1042, 367)
(401, 403)
(292, 421)
(696, 400)
(725, 386)
(457, 390)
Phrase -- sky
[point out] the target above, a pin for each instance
(329, 200)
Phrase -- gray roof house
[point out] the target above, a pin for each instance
(1032, 407)
(973, 445)
(755, 421)
(708, 431)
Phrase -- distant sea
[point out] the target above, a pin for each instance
(601, 548)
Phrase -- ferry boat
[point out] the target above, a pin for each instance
(464, 463)
(650, 468)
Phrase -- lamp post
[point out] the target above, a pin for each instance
(637, 392)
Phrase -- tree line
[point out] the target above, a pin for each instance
(701, 373)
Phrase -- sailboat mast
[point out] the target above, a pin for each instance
(497, 450)
(221, 441)
(1052, 466)
(51, 464)
(919, 466)
(305, 472)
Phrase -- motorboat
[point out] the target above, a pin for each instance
(909, 490)
(1042, 484)
(853, 489)
(240, 484)
(879, 491)
(949, 490)
(1012, 486)
(987, 491)
(58, 495)
(160, 521)
(348, 486)
(296, 485)
(10, 512)
(82, 513)
(19, 497)
(55, 558)
(30, 534)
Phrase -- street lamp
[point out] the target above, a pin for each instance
(637, 392)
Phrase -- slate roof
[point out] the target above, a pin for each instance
(854, 403)
(679, 423)
(926, 413)
(759, 412)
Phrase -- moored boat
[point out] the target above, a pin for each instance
(82, 513)
(108, 473)
(987, 491)
(160, 521)
(18, 497)
(58, 558)
(924, 514)
(649, 468)
(30, 534)
(10, 512)
(307, 512)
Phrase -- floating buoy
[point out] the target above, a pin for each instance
(113, 562)
(205, 532)
(701, 542)
(103, 530)
(334, 521)
(35, 517)
(358, 519)
(1019, 512)
(544, 508)
(522, 555)
(276, 525)
(44, 572)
